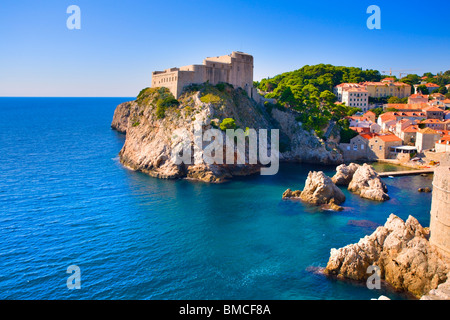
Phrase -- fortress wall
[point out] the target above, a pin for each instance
(236, 69)
(168, 78)
(440, 208)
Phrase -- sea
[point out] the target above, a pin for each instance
(65, 200)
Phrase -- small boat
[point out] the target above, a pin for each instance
(392, 177)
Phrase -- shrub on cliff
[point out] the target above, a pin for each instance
(210, 98)
(227, 123)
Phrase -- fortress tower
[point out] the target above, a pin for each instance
(235, 68)
(440, 208)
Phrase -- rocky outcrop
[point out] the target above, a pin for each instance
(367, 183)
(442, 292)
(158, 126)
(121, 117)
(344, 174)
(401, 250)
(319, 189)
(289, 194)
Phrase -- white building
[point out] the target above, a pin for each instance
(353, 95)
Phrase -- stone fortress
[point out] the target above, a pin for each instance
(440, 212)
(235, 68)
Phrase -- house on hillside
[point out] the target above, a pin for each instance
(381, 145)
(426, 139)
(417, 98)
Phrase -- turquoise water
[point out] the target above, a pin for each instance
(66, 200)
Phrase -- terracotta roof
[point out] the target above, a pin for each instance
(411, 114)
(348, 85)
(407, 106)
(389, 138)
(446, 101)
(387, 117)
(418, 95)
(433, 85)
(432, 121)
(370, 113)
(361, 129)
(412, 128)
(355, 90)
(397, 84)
(428, 131)
(368, 136)
(432, 108)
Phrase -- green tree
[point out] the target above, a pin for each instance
(327, 97)
(443, 90)
(422, 88)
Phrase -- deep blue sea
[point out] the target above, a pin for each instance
(66, 200)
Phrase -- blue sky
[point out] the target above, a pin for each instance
(121, 42)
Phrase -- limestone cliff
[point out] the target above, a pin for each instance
(401, 250)
(156, 125)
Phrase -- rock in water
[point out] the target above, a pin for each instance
(367, 183)
(319, 189)
(344, 174)
(401, 250)
(288, 194)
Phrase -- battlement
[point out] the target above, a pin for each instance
(235, 68)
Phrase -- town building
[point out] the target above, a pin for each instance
(437, 124)
(381, 145)
(353, 95)
(408, 134)
(371, 116)
(432, 87)
(417, 107)
(443, 144)
(235, 69)
(356, 149)
(387, 88)
(417, 98)
(434, 112)
(426, 139)
(446, 103)
(437, 96)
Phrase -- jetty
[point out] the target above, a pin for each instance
(405, 173)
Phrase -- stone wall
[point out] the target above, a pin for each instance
(440, 208)
(235, 68)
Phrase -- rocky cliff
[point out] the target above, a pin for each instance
(157, 126)
(403, 253)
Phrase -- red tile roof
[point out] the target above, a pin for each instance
(389, 138)
(418, 95)
(433, 109)
(368, 136)
(413, 128)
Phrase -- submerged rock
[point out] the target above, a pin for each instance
(319, 189)
(344, 174)
(401, 250)
(363, 224)
(367, 183)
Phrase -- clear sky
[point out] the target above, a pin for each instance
(121, 42)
